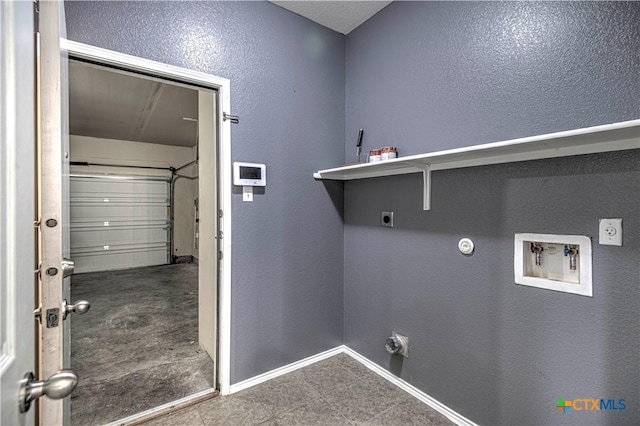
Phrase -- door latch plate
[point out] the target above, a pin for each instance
(53, 317)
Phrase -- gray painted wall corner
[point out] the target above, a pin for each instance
(461, 74)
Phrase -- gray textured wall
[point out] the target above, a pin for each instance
(459, 74)
(427, 76)
(436, 75)
(287, 85)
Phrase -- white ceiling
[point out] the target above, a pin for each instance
(341, 16)
(110, 104)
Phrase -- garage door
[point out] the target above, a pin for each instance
(119, 222)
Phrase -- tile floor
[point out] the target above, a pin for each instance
(336, 391)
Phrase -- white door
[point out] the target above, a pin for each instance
(208, 227)
(17, 209)
(119, 222)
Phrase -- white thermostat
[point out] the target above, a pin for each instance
(249, 174)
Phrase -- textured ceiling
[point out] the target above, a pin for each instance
(340, 16)
(110, 104)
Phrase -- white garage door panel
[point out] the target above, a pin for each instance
(118, 223)
(83, 239)
(121, 257)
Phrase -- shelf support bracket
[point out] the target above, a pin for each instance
(426, 187)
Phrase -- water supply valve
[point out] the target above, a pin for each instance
(571, 251)
(537, 249)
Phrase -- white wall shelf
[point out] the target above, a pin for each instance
(604, 138)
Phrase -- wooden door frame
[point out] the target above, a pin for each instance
(223, 87)
(51, 169)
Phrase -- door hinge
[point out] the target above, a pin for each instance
(220, 213)
(37, 313)
(235, 119)
(219, 254)
(220, 235)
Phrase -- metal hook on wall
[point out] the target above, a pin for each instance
(235, 119)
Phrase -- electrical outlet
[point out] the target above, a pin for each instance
(610, 232)
(386, 219)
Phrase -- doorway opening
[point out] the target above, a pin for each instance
(143, 189)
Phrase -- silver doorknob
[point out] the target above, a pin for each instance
(68, 266)
(80, 307)
(60, 384)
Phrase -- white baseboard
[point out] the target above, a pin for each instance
(410, 389)
(165, 409)
(245, 384)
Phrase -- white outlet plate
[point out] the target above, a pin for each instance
(610, 232)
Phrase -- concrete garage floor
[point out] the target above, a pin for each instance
(137, 347)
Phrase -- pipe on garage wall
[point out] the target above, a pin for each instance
(87, 164)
